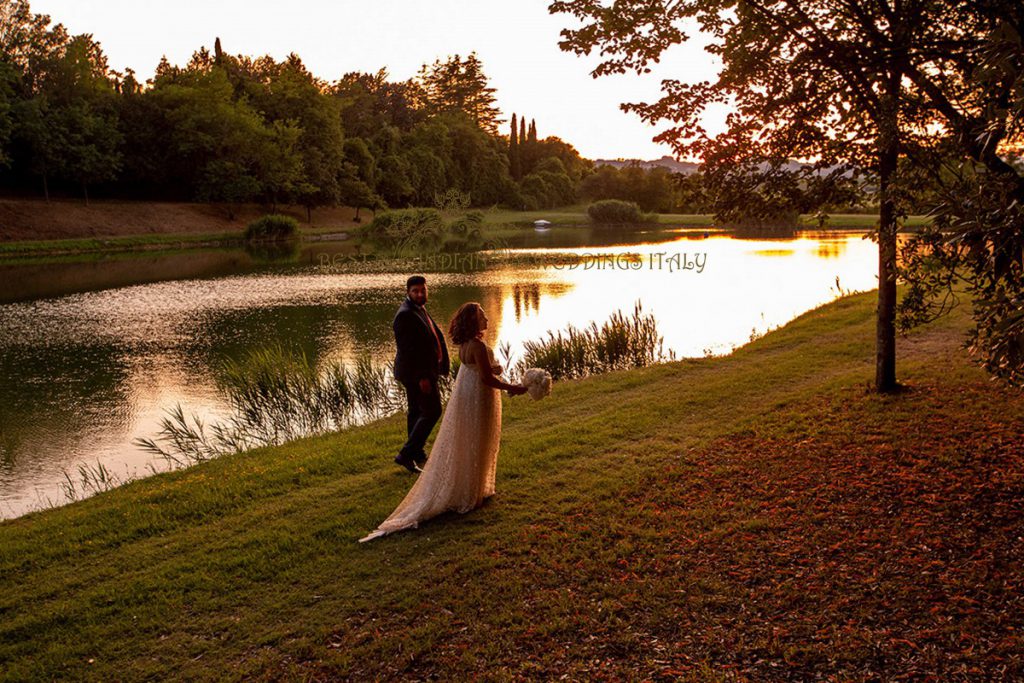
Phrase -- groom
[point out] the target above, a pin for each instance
(421, 359)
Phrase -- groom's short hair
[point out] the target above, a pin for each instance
(415, 280)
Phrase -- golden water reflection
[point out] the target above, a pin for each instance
(739, 292)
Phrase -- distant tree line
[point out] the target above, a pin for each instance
(231, 129)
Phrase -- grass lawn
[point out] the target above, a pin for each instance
(758, 516)
(861, 221)
(576, 215)
(112, 244)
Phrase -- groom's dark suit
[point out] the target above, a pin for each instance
(422, 354)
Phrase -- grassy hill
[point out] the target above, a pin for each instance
(757, 516)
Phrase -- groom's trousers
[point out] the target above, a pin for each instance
(424, 411)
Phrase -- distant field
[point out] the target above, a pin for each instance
(577, 215)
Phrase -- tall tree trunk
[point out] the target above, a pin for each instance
(309, 214)
(888, 157)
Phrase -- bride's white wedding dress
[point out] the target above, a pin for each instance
(459, 473)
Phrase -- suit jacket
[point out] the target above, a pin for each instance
(417, 354)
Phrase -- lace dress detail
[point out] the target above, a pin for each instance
(460, 471)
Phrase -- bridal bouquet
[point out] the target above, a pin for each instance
(537, 383)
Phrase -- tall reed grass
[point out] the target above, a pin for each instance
(276, 395)
(621, 342)
(91, 479)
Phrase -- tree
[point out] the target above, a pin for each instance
(477, 162)
(43, 140)
(395, 186)
(427, 173)
(355, 192)
(82, 102)
(750, 194)
(228, 182)
(370, 104)
(574, 165)
(655, 191)
(603, 183)
(515, 168)
(8, 101)
(231, 128)
(978, 234)
(460, 85)
(219, 146)
(61, 98)
(290, 98)
(529, 152)
(359, 176)
(277, 161)
(842, 81)
(27, 41)
(561, 188)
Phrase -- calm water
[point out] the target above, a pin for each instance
(91, 355)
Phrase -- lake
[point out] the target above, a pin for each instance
(93, 353)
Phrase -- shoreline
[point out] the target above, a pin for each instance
(33, 228)
(16, 251)
(170, 228)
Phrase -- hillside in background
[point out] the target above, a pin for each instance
(685, 167)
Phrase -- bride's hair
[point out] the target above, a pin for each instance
(465, 325)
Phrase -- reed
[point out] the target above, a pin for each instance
(619, 343)
(91, 479)
(276, 396)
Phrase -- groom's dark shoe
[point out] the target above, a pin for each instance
(420, 459)
(407, 463)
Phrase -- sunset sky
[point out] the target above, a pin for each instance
(517, 42)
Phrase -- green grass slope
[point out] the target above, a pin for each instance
(758, 516)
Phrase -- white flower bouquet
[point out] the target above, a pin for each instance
(537, 383)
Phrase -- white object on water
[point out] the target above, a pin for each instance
(541, 225)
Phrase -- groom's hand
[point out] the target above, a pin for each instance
(425, 385)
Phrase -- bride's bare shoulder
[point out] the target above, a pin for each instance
(472, 348)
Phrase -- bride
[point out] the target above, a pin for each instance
(459, 473)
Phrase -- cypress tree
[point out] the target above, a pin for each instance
(533, 132)
(522, 152)
(513, 151)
